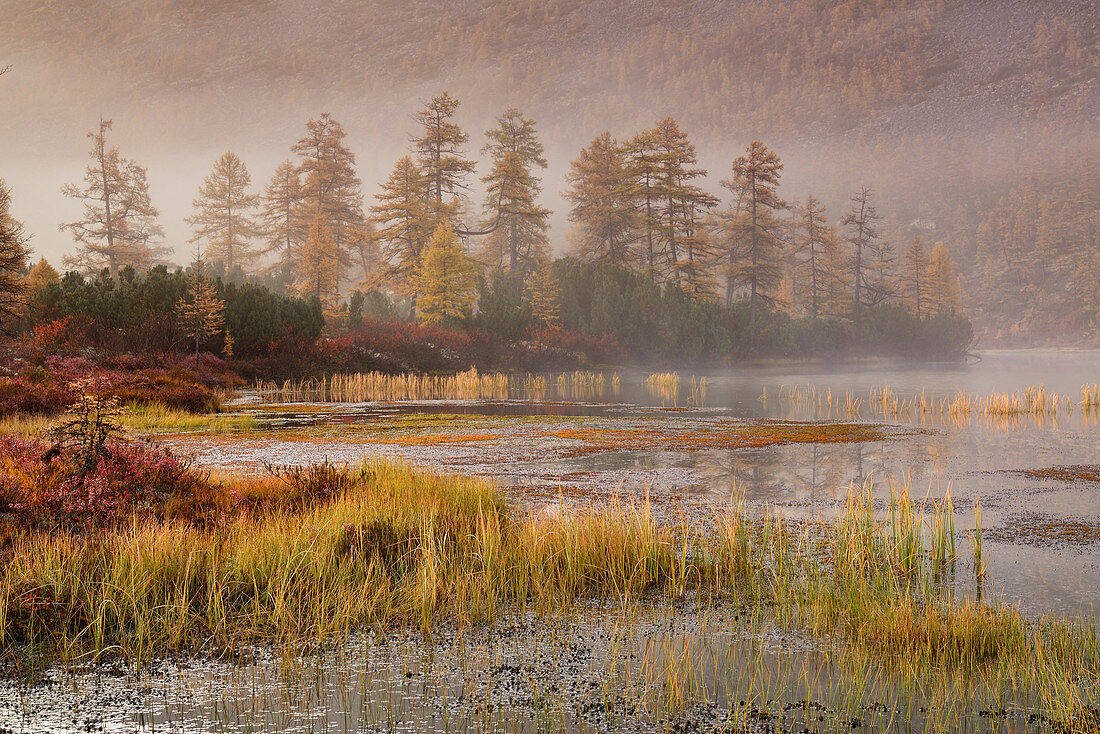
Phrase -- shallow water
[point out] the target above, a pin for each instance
(683, 667)
(1041, 536)
(676, 668)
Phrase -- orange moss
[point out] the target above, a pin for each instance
(435, 439)
(1076, 473)
(756, 435)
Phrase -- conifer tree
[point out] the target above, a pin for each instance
(405, 224)
(600, 193)
(752, 231)
(519, 224)
(544, 294)
(41, 275)
(329, 181)
(881, 285)
(915, 277)
(440, 154)
(119, 224)
(642, 162)
(365, 248)
(201, 313)
(447, 279)
(816, 250)
(223, 215)
(281, 213)
(13, 256)
(944, 294)
(317, 264)
(861, 222)
(680, 213)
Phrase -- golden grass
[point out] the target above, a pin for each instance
(147, 417)
(665, 386)
(469, 385)
(882, 402)
(402, 546)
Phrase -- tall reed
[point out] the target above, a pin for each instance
(400, 546)
(1034, 401)
(469, 385)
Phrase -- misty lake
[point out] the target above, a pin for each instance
(791, 440)
(1044, 532)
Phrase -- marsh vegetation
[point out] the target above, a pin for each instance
(537, 592)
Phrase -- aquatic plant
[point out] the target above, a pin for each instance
(387, 544)
(998, 408)
(665, 386)
(468, 385)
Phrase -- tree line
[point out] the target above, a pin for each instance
(637, 204)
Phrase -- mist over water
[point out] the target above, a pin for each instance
(785, 473)
(940, 111)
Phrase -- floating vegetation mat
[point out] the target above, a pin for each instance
(511, 438)
(1076, 473)
(703, 435)
(1043, 530)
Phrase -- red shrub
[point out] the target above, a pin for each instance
(60, 336)
(22, 395)
(47, 389)
(132, 478)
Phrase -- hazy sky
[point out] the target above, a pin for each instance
(186, 81)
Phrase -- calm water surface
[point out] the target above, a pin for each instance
(1043, 534)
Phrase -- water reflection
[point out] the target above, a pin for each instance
(673, 668)
(523, 444)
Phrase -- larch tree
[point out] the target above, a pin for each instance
(599, 193)
(681, 212)
(944, 293)
(915, 277)
(317, 264)
(405, 222)
(365, 249)
(440, 154)
(816, 251)
(224, 214)
(752, 231)
(329, 181)
(519, 224)
(41, 275)
(281, 215)
(447, 279)
(201, 313)
(861, 222)
(544, 294)
(119, 224)
(642, 162)
(881, 283)
(13, 258)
